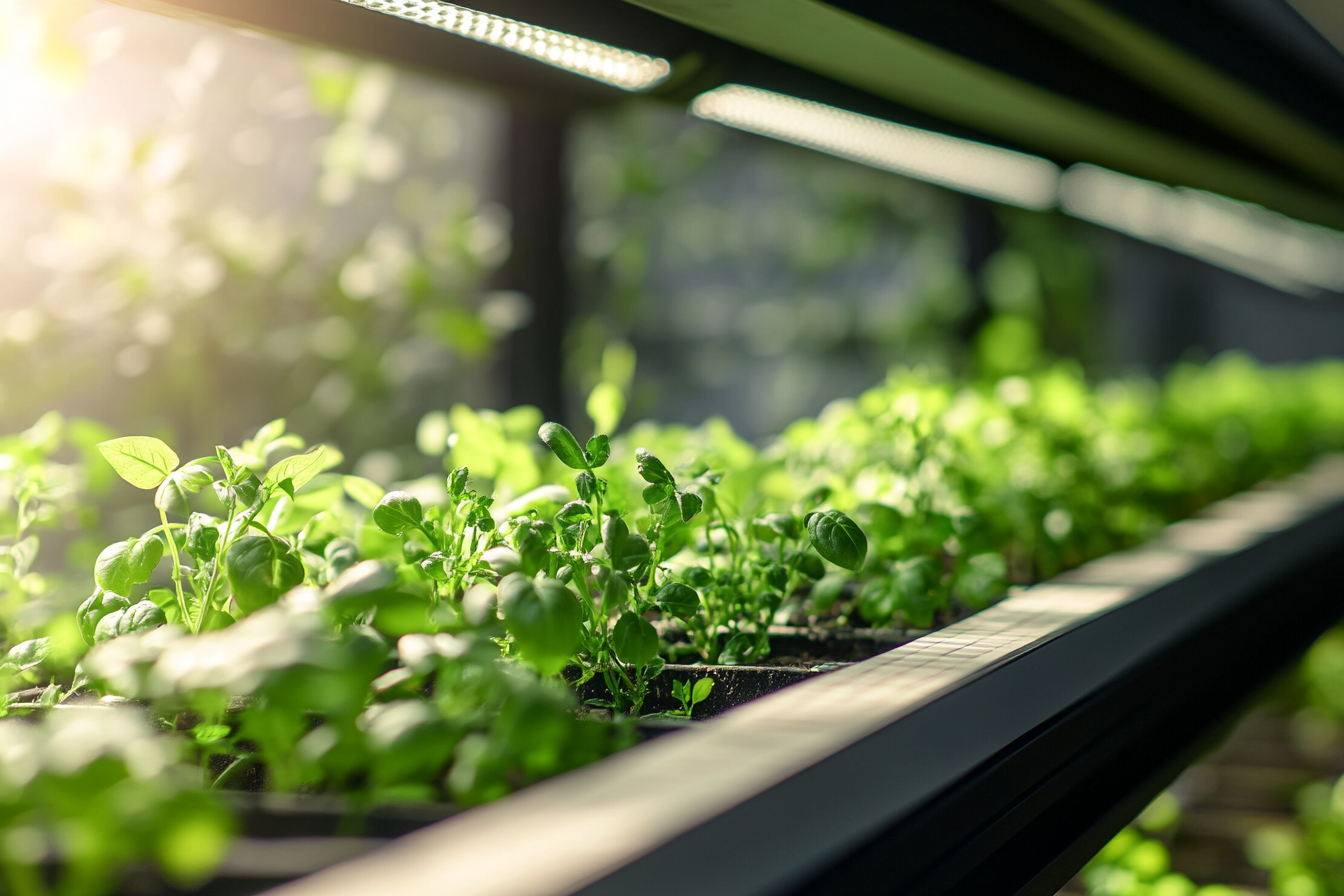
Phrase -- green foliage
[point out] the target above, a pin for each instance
(416, 643)
(142, 461)
(123, 565)
(544, 618)
(688, 694)
(838, 539)
(260, 569)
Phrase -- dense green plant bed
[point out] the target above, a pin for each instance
(318, 633)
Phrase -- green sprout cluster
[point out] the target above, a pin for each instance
(289, 627)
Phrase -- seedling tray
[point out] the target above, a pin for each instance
(993, 756)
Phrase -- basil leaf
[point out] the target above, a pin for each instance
(740, 649)
(92, 611)
(632, 554)
(983, 579)
(652, 469)
(30, 653)
(915, 582)
(690, 504)
(173, 491)
(126, 564)
(701, 690)
(398, 512)
(260, 569)
(562, 442)
(838, 539)
(142, 461)
(545, 619)
(299, 469)
(598, 450)
(678, 600)
(139, 617)
(635, 640)
(363, 491)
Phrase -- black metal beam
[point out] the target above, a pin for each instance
(1026, 821)
(536, 191)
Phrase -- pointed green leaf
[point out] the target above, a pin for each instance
(652, 469)
(701, 690)
(838, 539)
(545, 619)
(363, 491)
(635, 640)
(598, 450)
(562, 442)
(398, 512)
(123, 565)
(142, 461)
(260, 569)
(299, 469)
(173, 491)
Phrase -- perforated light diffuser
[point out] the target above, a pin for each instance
(965, 165)
(611, 65)
(1248, 239)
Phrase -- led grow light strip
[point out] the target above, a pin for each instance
(964, 165)
(1247, 239)
(612, 65)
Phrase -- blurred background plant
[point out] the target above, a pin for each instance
(199, 227)
(759, 281)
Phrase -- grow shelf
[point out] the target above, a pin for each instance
(993, 756)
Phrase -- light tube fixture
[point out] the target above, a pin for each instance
(1248, 239)
(611, 65)
(965, 165)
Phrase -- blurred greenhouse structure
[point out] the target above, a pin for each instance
(333, 228)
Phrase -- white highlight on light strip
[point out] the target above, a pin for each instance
(1240, 237)
(964, 165)
(612, 65)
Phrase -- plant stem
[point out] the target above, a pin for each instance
(208, 598)
(177, 567)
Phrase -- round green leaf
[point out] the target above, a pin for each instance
(983, 579)
(139, 617)
(585, 483)
(503, 560)
(915, 582)
(678, 600)
(562, 442)
(635, 640)
(260, 569)
(545, 619)
(632, 554)
(614, 534)
(397, 513)
(140, 460)
(91, 612)
(123, 565)
(651, 468)
(173, 492)
(30, 653)
(363, 491)
(299, 469)
(838, 539)
(202, 536)
(701, 690)
(598, 450)
(689, 504)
